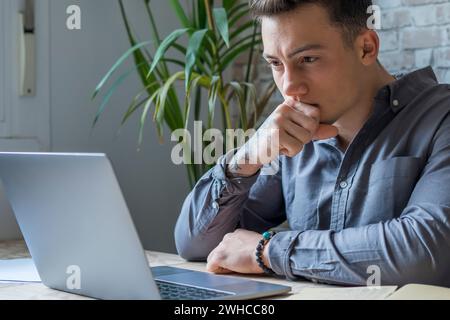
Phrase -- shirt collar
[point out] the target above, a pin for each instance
(402, 91)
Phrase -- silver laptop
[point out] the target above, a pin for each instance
(82, 239)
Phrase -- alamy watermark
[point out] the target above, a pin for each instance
(73, 281)
(374, 279)
(260, 147)
(73, 21)
(374, 21)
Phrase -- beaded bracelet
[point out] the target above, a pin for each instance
(266, 236)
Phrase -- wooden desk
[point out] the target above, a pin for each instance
(37, 291)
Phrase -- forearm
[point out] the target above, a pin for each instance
(411, 249)
(211, 210)
(241, 165)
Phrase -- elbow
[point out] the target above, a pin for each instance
(188, 250)
(422, 271)
(185, 249)
(183, 243)
(190, 247)
(185, 240)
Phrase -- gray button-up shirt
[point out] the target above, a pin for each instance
(382, 205)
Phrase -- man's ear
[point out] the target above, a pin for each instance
(367, 47)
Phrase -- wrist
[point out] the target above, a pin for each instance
(262, 250)
(265, 255)
(240, 166)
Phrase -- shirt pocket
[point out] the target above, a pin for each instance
(388, 189)
(398, 167)
(304, 204)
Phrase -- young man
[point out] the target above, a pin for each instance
(364, 163)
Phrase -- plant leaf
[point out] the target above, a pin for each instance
(261, 105)
(117, 65)
(145, 112)
(110, 92)
(161, 101)
(174, 61)
(236, 51)
(212, 98)
(240, 94)
(201, 11)
(165, 45)
(235, 16)
(232, 11)
(241, 29)
(180, 13)
(194, 46)
(220, 16)
(187, 108)
(229, 4)
(134, 105)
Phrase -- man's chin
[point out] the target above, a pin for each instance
(329, 119)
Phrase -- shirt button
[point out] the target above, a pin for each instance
(343, 184)
(395, 103)
(215, 205)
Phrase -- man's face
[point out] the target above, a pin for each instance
(310, 61)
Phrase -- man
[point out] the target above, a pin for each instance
(364, 163)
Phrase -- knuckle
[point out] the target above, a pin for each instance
(227, 236)
(314, 113)
(310, 126)
(214, 257)
(314, 126)
(219, 255)
(283, 108)
(278, 119)
(307, 136)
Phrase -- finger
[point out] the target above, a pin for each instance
(303, 120)
(325, 131)
(298, 132)
(284, 152)
(309, 110)
(221, 270)
(290, 102)
(290, 144)
(213, 266)
(295, 120)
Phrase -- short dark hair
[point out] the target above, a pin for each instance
(349, 15)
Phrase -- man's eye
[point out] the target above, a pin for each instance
(275, 64)
(309, 59)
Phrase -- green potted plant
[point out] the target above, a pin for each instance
(217, 35)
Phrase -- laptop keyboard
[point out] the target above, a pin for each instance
(172, 291)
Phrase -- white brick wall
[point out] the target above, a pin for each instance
(415, 34)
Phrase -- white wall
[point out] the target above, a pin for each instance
(24, 121)
(153, 187)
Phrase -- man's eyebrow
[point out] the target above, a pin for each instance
(297, 51)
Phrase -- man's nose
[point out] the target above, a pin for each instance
(294, 87)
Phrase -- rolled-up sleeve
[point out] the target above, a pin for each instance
(411, 248)
(218, 205)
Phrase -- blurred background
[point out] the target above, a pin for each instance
(70, 64)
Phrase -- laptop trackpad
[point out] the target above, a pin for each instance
(195, 278)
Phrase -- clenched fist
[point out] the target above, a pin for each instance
(292, 125)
